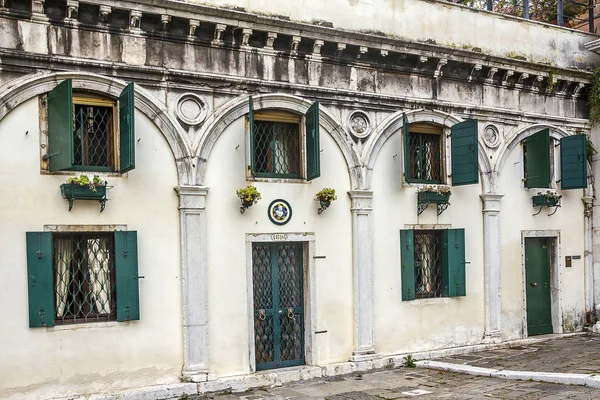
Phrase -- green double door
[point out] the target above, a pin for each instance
(537, 281)
(278, 304)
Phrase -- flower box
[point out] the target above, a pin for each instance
(74, 191)
(548, 201)
(433, 197)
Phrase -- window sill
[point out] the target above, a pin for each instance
(86, 326)
(432, 301)
(276, 180)
(77, 173)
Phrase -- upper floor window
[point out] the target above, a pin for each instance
(87, 133)
(284, 144)
(425, 158)
(80, 277)
(539, 161)
(425, 153)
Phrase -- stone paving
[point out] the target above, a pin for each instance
(405, 383)
(575, 354)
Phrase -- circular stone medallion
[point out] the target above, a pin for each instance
(191, 109)
(491, 136)
(280, 212)
(359, 124)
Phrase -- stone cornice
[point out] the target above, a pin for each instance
(21, 62)
(322, 43)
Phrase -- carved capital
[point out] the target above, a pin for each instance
(105, 12)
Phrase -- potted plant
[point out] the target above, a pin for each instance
(249, 196)
(325, 196)
(84, 188)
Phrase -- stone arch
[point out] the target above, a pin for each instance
(394, 123)
(19, 90)
(521, 134)
(238, 107)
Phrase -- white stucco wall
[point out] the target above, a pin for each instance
(439, 22)
(226, 232)
(516, 215)
(422, 324)
(92, 357)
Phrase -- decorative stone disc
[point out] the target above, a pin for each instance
(491, 136)
(191, 110)
(359, 124)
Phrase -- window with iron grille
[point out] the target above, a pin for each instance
(283, 144)
(428, 264)
(425, 157)
(277, 149)
(432, 263)
(88, 132)
(94, 134)
(80, 277)
(84, 278)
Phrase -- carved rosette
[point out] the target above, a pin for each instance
(359, 124)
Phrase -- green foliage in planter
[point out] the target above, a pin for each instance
(249, 194)
(84, 180)
(326, 195)
(595, 97)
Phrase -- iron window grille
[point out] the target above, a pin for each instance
(84, 278)
(425, 157)
(428, 263)
(94, 139)
(277, 149)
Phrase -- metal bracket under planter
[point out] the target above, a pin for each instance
(542, 201)
(73, 191)
(426, 198)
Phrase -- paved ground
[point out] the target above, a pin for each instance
(416, 383)
(576, 354)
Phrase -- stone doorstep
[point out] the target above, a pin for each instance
(274, 378)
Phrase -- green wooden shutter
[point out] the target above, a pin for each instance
(453, 263)
(60, 127)
(251, 133)
(537, 160)
(40, 279)
(573, 165)
(127, 129)
(313, 148)
(464, 153)
(407, 260)
(406, 141)
(126, 268)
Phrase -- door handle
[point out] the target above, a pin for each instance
(534, 284)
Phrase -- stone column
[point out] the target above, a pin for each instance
(192, 205)
(588, 261)
(491, 246)
(362, 261)
(596, 221)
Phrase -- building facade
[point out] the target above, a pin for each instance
(450, 136)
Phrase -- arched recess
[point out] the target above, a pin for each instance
(238, 107)
(521, 134)
(19, 90)
(395, 122)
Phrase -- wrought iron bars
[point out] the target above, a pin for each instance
(425, 156)
(84, 278)
(93, 136)
(428, 263)
(277, 149)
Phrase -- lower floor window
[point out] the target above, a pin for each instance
(432, 263)
(78, 277)
(84, 278)
(428, 264)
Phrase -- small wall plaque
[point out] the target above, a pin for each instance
(280, 212)
(568, 263)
